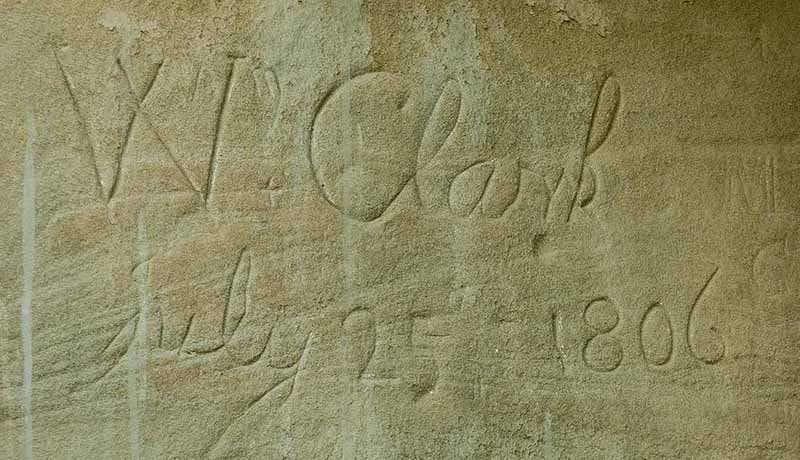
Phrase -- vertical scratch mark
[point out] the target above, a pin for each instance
(549, 447)
(554, 327)
(135, 382)
(349, 149)
(259, 85)
(772, 173)
(275, 91)
(82, 124)
(739, 173)
(212, 163)
(28, 237)
(351, 16)
(195, 82)
(160, 340)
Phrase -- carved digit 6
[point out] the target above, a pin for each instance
(656, 336)
(715, 350)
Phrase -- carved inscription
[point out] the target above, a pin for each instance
(176, 134)
(603, 352)
(655, 334)
(372, 137)
(399, 355)
(604, 113)
(753, 186)
(776, 268)
(413, 352)
(400, 230)
(704, 345)
(486, 189)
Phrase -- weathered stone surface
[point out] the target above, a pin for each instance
(552, 229)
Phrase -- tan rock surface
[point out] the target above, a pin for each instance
(542, 229)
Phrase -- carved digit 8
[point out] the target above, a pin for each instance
(601, 352)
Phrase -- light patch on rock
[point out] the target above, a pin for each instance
(128, 30)
(590, 15)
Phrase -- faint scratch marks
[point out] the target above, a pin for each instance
(555, 326)
(264, 396)
(119, 346)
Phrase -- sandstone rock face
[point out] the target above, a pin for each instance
(370, 229)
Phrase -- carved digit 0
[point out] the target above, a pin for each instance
(655, 336)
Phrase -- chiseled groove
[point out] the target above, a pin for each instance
(229, 294)
(212, 162)
(82, 124)
(129, 130)
(213, 445)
